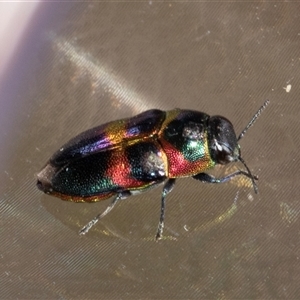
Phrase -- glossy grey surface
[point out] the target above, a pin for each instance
(104, 61)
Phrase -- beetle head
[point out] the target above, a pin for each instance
(223, 144)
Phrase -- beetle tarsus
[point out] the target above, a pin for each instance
(160, 230)
(85, 229)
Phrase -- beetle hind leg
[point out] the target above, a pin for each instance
(121, 196)
(168, 187)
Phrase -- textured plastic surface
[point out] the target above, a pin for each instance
(98, 62)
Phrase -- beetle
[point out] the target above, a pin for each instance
(129, 156)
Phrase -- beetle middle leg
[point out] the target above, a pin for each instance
(89, 225)
(168, 187)
(204, 177)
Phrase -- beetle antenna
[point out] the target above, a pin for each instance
(250, 175)
(253, 119)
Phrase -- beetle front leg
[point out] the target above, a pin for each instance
(204, 177)
(168, 187)
(89, 225)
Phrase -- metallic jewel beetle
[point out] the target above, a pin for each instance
(126, 157)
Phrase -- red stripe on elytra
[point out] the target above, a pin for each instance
(119, 171)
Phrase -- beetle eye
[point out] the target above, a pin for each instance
(223, 153)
